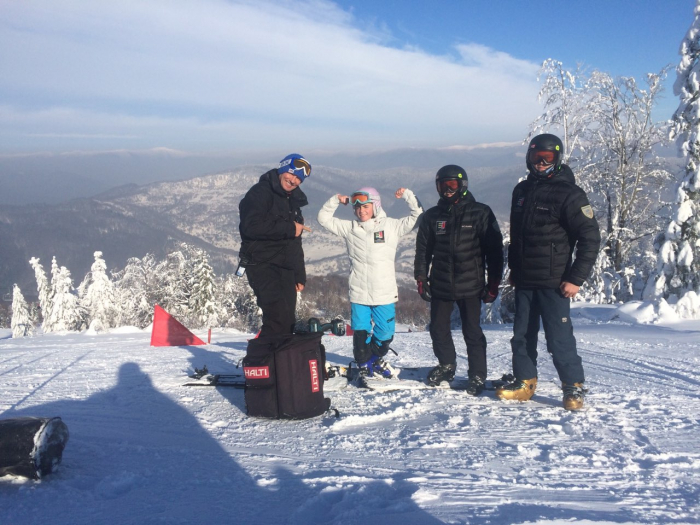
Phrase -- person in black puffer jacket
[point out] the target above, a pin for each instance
(458, 244)
(271, 251)
(550, 219)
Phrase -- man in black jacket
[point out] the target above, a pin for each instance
(458, 242)
(271, 252)
(550, 218)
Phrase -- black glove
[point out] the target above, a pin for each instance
(490, 292)
(424, 289)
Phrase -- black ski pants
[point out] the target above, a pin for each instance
(276, 294)
(441, 333)
(554, 310)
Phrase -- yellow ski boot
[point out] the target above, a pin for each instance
(518, 390)
(573, 396)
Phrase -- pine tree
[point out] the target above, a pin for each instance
(136, 289)
(174, 283)
(678, 262)
(66, 312)
(50, 317)
(98, 296)
(202, 299)
(238, 304)
(43, 288)
(21, 320)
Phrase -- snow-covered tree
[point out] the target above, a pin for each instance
(135, 291)
(43, 287)
(21, 320)
(183, 284)
(174, 283)
(618, 168)
(563, 97)
(49, 319)
(608, 127)
(66, 312)
(238, 303)
(97, 296)
(678, 264)
(202, 298)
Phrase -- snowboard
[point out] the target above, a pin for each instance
(340, 378)
(412, 378)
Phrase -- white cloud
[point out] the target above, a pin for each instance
(217, 74)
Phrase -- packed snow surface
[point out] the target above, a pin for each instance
(144, 449)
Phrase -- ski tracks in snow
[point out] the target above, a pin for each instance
(145, 449)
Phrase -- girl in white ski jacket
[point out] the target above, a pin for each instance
(371, 241)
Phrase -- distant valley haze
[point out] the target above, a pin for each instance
(128, 204)
(53, 178)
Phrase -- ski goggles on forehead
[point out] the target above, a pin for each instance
(299, 167)
(302, 164)
(537, 157)
(359, 198)
(450, 185)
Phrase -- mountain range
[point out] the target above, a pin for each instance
(133, 220)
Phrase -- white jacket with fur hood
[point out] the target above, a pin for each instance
(372, 249)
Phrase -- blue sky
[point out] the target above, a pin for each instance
(222, 76)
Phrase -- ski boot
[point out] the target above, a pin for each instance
(441, 373)
(376, 367)
(518, 390)
(573, 396)
(381, 367)
(475, 386)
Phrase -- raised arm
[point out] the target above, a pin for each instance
(407, 223)
(332, 224)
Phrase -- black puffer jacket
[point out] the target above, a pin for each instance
(548, 219)
(268, 214)
(455, 246)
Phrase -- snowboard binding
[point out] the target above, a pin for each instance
(336, 326)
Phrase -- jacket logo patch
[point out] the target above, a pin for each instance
(441, 227)
(467, 226)
(587, 211)
(379, 236)
(256, 372)
(520, 202)
(313, 370)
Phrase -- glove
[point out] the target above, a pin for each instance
(424, 289)
(490, 292)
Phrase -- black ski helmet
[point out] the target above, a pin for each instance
(452, 172)
(545, 142)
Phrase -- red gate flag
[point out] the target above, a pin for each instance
(168, 331)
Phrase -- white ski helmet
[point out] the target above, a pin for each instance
(370, 195)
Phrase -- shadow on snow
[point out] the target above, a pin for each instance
(137, 457)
